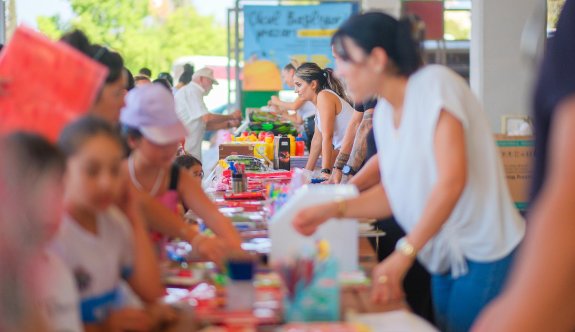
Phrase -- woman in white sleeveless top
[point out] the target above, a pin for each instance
(439, 171)
(334, 112)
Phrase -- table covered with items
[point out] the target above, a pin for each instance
(284, 281)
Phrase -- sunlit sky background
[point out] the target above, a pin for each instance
(28, 10)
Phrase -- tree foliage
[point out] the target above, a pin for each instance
(143, 37)
(553, 10)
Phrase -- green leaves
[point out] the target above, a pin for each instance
(144, 38)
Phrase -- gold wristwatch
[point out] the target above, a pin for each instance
(405, 248)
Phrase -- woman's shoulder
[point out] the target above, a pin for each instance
(327, 95)
(438, 74)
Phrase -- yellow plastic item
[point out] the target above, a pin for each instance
(223, 164)
(291, 145)
(260, 150)
(323, 249)
(270, 148)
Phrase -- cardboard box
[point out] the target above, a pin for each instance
(517, 156)
(234, 149)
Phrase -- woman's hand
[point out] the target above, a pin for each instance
(128, 319)
(388, 278)
(335, 177)
(274, 100)
(324, 176)
(309, 219)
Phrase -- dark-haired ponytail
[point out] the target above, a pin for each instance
(335, 85)
(408, 38)
(310, 71)
(399, 39)
(112, 60)
(78, 40)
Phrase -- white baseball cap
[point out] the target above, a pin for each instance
(151, 109)
(206, 72)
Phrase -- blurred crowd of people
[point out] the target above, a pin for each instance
(92, 212)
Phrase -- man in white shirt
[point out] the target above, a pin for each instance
(193, 113)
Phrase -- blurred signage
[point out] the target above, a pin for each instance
(277, 35)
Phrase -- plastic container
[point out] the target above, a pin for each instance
(292, 146)
(240, 290)
(239, 183)
(299, 146)
(270, 147)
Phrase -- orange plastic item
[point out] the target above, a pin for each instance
(49, 84)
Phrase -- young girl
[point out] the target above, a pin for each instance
(100, 242)
(333, 112)
(110, 99)
(154, 131)
(31, 172)
(191, 164)
(107, 106)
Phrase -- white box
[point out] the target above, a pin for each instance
(342, 234)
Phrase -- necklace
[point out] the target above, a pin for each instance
(132, 171)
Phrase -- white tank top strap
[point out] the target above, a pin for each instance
(341, 100)
(341, 120)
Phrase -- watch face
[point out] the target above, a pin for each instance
(346, 170)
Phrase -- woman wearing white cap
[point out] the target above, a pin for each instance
(154, 131)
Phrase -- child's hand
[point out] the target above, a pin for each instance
(162, 314)
(209, 248)
(129, 203)
(128, 319)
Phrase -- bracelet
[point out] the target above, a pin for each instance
(326, 170)
(341, 207)
(405, 248)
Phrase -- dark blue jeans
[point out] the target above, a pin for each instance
(457, 302)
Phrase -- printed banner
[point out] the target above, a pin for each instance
(277, 35)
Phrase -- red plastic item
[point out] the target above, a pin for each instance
(299, 148)
(49, 84)
(254, 196)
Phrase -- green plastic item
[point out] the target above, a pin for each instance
(220, 279)
(256, 99)
(267, 126)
